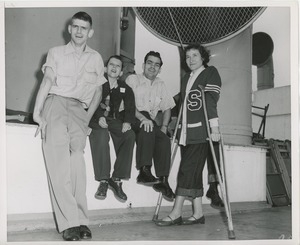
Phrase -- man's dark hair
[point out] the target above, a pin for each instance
(155, 54)
(205, 54)
(118, 57)
(83, 16)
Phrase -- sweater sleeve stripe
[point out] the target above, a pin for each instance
(212, 88)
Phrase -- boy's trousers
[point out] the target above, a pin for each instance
(123, 144)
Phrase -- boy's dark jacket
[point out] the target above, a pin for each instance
(121, 92)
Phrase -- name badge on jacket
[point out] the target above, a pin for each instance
(122, 90)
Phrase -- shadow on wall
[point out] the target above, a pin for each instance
(39, 74)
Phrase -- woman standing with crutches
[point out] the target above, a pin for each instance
(193, 133)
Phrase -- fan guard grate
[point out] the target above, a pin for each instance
(206, 25)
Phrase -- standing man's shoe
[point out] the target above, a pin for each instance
(102, 190)
(145, 176)
(116, 186)
(85, 232)
(164, 187)
(71, 234)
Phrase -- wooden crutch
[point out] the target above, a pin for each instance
(222, 178)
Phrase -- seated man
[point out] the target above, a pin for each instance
(114, 115)
(151, 96)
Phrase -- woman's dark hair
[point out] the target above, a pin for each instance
(118, 57)
(83, 16)
(155, 54)
(205, 54)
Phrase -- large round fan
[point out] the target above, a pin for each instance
(206, 25)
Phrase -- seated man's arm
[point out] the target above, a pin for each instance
(165, 120)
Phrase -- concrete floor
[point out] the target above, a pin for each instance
(257, 224)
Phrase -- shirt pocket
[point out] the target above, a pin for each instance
(157, 101)
(65, 75)
(90, 75)
(65, 68)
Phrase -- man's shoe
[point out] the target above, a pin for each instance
(116, 186)
(164, 187)
(71, 234)
(102, 190)
(216, 200)
(201, 220)
(85, 232)
(145, 176)
(177, 221)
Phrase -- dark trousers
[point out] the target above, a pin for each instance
(189, 178)
(154, 146)
(123, 144)
(212, 174)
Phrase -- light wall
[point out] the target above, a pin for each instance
(170, 71)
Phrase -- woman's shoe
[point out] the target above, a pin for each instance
(201, 220)
(177, 221)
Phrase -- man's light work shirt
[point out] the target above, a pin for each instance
(150, 97)
(76, 76)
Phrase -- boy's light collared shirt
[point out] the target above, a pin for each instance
(76, 77)
(150, 98)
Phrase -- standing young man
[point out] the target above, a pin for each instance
(114, 116)
(151, 96)
(68, 96)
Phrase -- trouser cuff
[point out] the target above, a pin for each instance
(193, 193)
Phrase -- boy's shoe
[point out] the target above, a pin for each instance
(116, 187)
(102, 190)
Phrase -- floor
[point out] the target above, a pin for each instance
(264, 224)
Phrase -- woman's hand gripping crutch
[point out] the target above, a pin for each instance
(174, 147)
(222, 178)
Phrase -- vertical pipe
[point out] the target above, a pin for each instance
(233, 60)
(265, 75)
(118, 32)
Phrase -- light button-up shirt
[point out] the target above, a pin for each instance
(150, 96)
(76, 76)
